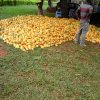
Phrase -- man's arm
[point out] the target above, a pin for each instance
(90, 11)
(77, 12)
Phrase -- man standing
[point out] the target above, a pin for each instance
(85, 11)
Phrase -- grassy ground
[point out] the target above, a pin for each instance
(66, 72)
(10, 11)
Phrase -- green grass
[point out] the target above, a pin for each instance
(66, 72)
(11, 11)
(56, 73)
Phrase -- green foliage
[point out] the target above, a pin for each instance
(18, 2)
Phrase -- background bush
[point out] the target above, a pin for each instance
(18, 2)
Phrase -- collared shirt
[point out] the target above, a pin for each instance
(85, 10)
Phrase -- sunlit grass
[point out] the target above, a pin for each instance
(11, 11)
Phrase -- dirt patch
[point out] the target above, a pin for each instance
(3, 52)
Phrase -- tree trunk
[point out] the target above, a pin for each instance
(64, 8)
(8, 2)
(14, 1)
(40, 9)
(49, 3)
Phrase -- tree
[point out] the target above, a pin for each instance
(40, 7)
(49, 3)
(14, 1)
(64, 8)
(8, 2)
(63, 4)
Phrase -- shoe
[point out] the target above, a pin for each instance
(76, 42)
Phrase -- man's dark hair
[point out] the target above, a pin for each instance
(89, 2)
